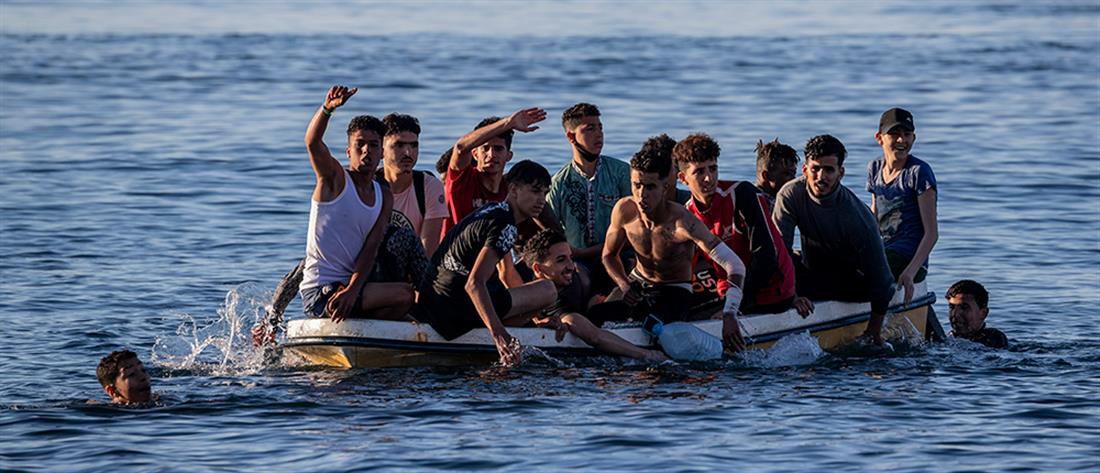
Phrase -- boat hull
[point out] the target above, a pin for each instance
(366, 343)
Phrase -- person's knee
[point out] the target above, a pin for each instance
(546, 292)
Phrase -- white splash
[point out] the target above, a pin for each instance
(796, 349)
(223, 345)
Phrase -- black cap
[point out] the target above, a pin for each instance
(896, 117)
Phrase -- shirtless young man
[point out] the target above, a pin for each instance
(664, 235)
(348, 215)
(458, 298)
(549, 256)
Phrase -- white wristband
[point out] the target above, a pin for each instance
(733, 300)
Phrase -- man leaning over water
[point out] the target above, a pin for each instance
(842, 256)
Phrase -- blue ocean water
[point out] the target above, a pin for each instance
(155, 188)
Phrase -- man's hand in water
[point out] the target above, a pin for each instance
(337, 96)
(511, 353)
(731, 334)
(341, 304)
(524, 119)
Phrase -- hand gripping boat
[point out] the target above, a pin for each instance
(364, 343)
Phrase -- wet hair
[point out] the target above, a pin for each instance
(110, 366)
(770, 155)
(971, 287)
(655, 156)
(572, 116)
(528, 172)
(444, 162)
(538, 246)
(696, 148)
(825, 145)
(368, 123)
(507, 135)
(398, 122)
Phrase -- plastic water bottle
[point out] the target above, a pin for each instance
(686, 342)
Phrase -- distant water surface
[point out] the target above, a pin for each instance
(155, 188)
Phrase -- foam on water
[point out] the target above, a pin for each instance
(221, 345)
(796, 349)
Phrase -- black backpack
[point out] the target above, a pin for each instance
(418, 185)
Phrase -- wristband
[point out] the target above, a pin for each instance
(327, 112)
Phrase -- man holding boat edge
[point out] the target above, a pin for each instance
(458, 298)
(842, 256)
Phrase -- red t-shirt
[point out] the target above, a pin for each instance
(465, 194)
(740, 216)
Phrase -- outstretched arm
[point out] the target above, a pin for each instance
(721, 254)
(926, 202)
(328, 169)
(483, 269)
(613, 245)
(342, 303)
(523, 120)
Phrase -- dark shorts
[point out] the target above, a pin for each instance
(667, 302)
(899, 262)
(316, 298)
(453, 316)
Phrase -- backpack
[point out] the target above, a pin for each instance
(418, 185)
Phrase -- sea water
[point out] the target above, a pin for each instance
(155, 188)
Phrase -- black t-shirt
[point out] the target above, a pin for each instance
(491, 226)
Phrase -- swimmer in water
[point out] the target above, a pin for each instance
(123, 378)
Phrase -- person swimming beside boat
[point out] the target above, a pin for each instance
(123, 378)
(549, 256)
(458, 298)
(739, 214)
(967, 306)
(664, 235)
(842, 257)
(348, 215)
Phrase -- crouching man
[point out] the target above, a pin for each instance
(458, 299)
(664, 235)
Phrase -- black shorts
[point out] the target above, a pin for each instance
(452, 316)
(669, 303)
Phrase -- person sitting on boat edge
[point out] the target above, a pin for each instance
(584, 191)
(967, 306)
(664, 236)
(903, 197)
(123, 378)
(418, 195)
(348, 215)
(842, 256)
(739, 214)
(776, 165)
(458, 298)
(549, 256)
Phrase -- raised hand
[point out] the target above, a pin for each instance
(338, 95)
(523, 120)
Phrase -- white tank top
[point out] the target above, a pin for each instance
(337, 231)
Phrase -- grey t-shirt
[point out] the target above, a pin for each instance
(839, 234)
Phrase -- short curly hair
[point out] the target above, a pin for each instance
(770, 155)
(398, 122)
(110, 366)
(538, 246)
(825, 145)
(367, 123)
(971, 287)
(507, 135)
(572, 116)
(655, 156)
(695, 148)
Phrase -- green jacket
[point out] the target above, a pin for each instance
(584, 207)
